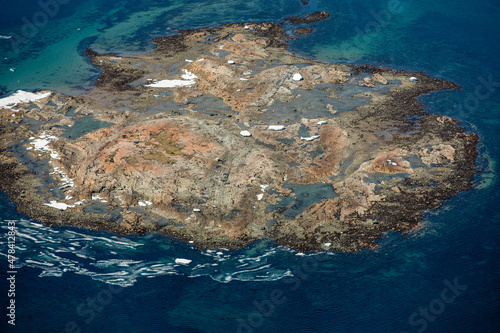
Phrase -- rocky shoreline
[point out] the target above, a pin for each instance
(221, 137)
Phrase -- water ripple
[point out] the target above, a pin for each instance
(122, 260)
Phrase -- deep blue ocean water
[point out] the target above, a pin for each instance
(444, 277)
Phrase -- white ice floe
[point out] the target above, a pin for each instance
(245, 133)
(188, 79)
(260, 196)
(231, 62)
(145, 203)
(309, 138)
(276, 127)
(322, 122)
(21, 97)
(182, 261)
(5, 37)
(59, 205)
(413, 79)
(297, 77)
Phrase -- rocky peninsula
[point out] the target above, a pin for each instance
(222, 137)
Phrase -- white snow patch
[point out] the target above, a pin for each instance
(196, 210)
(231, 62)
(309, 138)
(188, 75)
(263, 187)
(188, 60)
(59, 205)
(21, 97)
(276, 127)
(328, 244)
(391, 162)
(98, 197)
(260, 196)
(322, 122)
(297, 77)
(170, 84)
(243, 79)
(188, 79)
(245, 133)
(145, 203)
(42, 145)
(413, 79)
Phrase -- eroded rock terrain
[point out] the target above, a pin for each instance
(222, 137)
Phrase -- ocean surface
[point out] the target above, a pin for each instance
(443, 277)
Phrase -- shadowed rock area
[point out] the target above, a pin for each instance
(222, 137)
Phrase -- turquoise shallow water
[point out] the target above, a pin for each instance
(444, 277)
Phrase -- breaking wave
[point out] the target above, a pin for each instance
(122, 260)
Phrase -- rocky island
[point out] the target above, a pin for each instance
(222, 137)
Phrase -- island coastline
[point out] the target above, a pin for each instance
(387, 161)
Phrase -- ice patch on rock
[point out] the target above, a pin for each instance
(21, 97)
(59, 205)
(245, 133)
(309, 138)
(188, 79)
